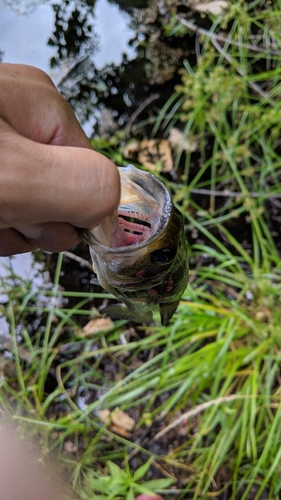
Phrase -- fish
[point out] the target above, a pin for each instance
(140, 252)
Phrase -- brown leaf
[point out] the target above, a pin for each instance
(131, 150)
(119, 430)
(122, 419)
(215, 7)
(118, 420)
(155, 151)
(96, 325)
(104, 416)
(178, 142)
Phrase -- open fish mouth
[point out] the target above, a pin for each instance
(143, 212)
(133, 227)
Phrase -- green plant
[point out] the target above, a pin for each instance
(123, 484)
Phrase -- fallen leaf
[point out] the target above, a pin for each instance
(215, 7)
(119, 430)
(178, 142)
(118, 420)
(95, 326)
(122, 419)
(131, 150)
(155, 151)
(104, 416)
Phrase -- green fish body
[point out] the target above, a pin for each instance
(139, 253)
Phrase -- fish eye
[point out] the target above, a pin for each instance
(163, 255)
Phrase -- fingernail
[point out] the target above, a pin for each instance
(31, 231)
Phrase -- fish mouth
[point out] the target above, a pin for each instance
(133, 227)
(141, 217)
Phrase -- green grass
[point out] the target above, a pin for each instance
(216, 367)
(204, 392)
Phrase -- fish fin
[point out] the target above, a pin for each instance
(95, 281)
(167, 311)
(121, 311)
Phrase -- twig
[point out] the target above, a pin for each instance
(138, 111)
(241, 72)
(234, 194)
(201, 31)
(196, 410)
(81, 261)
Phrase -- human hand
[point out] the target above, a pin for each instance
(21, 473)
(51, 179)
(23, 477)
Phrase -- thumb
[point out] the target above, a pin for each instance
(64, 184)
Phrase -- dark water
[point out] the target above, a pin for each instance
(24, 33)
(103, 55)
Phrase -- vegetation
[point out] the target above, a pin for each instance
(202, 395)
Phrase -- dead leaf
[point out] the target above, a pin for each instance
(104, 416)
(178, 142)
(96, 325)
(155, 151)
(215, 7)
(118, 421)
(131, 150)
(119, 430)
(122, 419)
(150, 153)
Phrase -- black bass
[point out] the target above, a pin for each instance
(139, 253)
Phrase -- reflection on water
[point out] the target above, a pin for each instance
(25, 268)
(113, 34)
(108, 57)
(23, 38)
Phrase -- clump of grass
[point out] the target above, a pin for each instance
(207, 385)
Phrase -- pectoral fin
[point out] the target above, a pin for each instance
(167, 311)
(121, 311)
